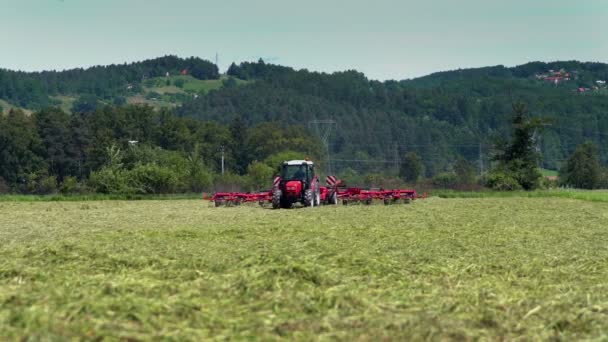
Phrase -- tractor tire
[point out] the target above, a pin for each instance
(276, 199)
(333, 199)
(309, 198)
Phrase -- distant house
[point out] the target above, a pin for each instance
(554, 77)
(184, 72)
(600, 82)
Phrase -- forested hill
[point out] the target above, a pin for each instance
(111, 84)
(441, 116)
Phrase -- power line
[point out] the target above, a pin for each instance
(323, 129)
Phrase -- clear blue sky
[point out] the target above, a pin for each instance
(385, 39)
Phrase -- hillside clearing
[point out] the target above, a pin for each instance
(492, 268)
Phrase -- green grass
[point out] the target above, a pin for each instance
(94, 197)
(439, 269)
(66, 102)
(6, 107)
(191, 84)
(549, 173)
(585, 195)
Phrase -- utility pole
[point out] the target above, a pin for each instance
(396, 157)
(222, 149)
(480, 161)
(323, 129)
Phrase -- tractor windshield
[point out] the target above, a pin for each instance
(295, 172)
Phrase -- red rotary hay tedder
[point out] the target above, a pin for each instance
(299, 183)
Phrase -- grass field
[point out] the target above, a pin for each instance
(549, 173)
(6, 107)
(462, 269)
(585, 195)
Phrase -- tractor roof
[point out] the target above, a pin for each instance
(297, 162)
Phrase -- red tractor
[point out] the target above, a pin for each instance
(297, 183)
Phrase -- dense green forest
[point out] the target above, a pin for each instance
(441, 117)
(137, 149)
(257, 111)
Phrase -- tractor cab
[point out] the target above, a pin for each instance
(298, 170)
(298, 183)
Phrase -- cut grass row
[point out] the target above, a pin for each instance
(94, 197)
(438, 269)
(585, 195)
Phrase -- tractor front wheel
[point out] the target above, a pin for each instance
(309, 198)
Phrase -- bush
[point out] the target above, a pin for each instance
(547, 183)
(230, 182)
(70, 185)
(110, 181)
(179, 83)
(502, 181)
(47, 185)
(350, 177)
(260, 175)
(445, 180)
(464, 172)
(153, 179)
(200, 180)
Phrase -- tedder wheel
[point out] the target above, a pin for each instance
(218, 203)
(309, 200)
(345, 202)
(368, 201)
(387, 201)
(276, 199)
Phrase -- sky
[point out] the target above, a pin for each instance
(385, 39)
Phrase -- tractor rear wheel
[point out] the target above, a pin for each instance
(309, 200)
(276, 199)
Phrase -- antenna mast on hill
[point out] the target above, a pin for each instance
(323, 129)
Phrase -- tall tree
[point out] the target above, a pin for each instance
(411, 167)
(20, 148)
(518, 159)
(583, 169)
(465, 172)
(61, 155)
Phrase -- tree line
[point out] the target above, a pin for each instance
(448, 119)
(442, 117)
(137, 149)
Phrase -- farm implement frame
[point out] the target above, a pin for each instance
(332, 194)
